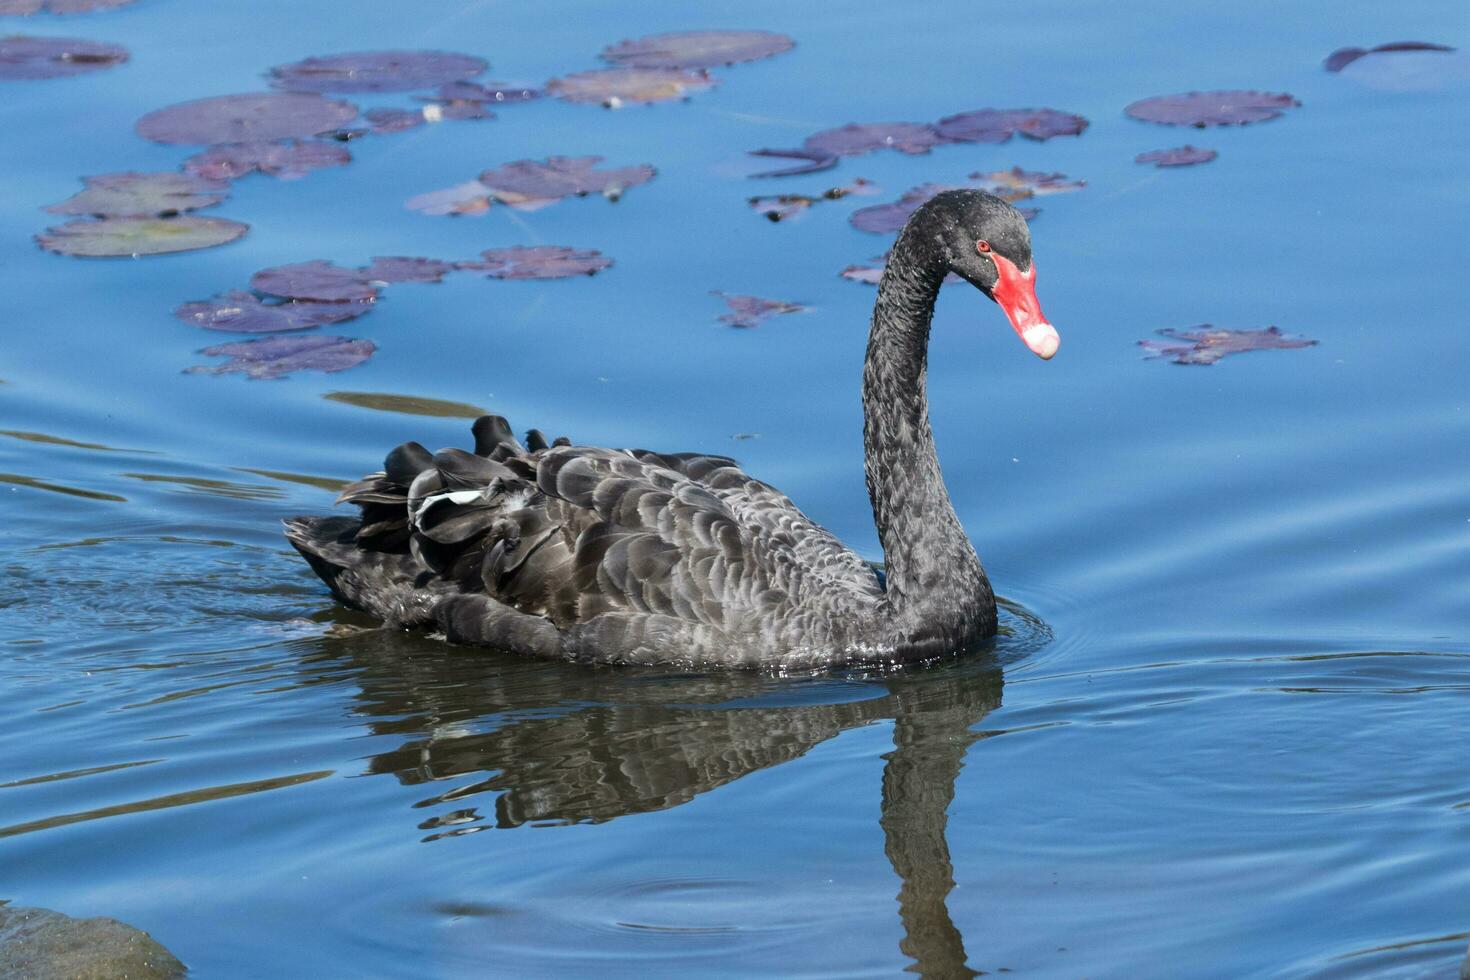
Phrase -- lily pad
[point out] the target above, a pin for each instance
(1179, 156)
(783, 207)
(612, 87)
(24, 8)
(1342, 57)
(239, 311)
(1011, 185)
(999, 125)
(1202, 109)
(817, 160)
(245, 118)
(137, 195)
(1394, 69)
(530, 184)
(697, 49)
(317, 280)
(1205, 345)
(376, 71)
(872, 273)
(275, 357)
(1016, 184)
(539, 262)
(115, 237)
(291, 160)
(500, 93)
(391, 120)
(823, 149)
(751, 311)
(471, 197)
(404, 268)
(25, 58)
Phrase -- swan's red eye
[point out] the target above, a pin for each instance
(983, 245)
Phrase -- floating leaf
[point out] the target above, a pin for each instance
(288, 161)
(471, 197)
(437, 111)
(28, 58)
(113, 237)
(1395, 69)
(1206, 345)
(403, 268)
(1179, 156)
(529, 184)
(1017, 184)
(539, 262)
(407, 404)
(376, 71)
(817, 160)
(245, 118)
(501, 93)
(697, 49)
(1342, 57)
(24, 8)
(782, 207)
(611, 87)
(1011, 185)
(855, 139)
(871, 275)
(999, 125)
(316, 280)
(752, 311)
(389, 120)
(239, 311)
(275, 357)
(135, 195)
(1201, 109)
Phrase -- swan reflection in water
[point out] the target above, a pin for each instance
(568, 743)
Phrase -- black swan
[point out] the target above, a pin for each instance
(631, 556)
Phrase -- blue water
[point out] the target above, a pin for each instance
(1224, 734)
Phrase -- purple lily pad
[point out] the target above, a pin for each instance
(1342, 57)
(471, 197)
(1201, 109)
(239, 311)
(1179, 156)
(316, 280)
(817, 160)
(1011, 185)
(872, 274)
(287, 161)
(275, 357)
(135, 195)
(697, 49)
(501, 93)
(245, 118)
(376, 71)
(1205, 345)
(404, 268)
(751, 311)
(534, 183)
(999, 125)
(25, 58)
(612, 87)
(390, 120)
(24, 8)
(132, 237)
(855, 139)
(438, 111)
(539, 262)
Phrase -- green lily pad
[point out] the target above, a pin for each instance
(137, 195)
(111, 237)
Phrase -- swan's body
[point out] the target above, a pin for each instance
(630, 556)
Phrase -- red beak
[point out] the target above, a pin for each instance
(1016, 294)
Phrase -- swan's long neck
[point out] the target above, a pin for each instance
(936, 587)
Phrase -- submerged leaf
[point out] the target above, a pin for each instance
(24, 8)
(245, 118)
(25, 58)
(782, 207)
(239, 311)
(376, 71)
(1409, 69)
(1205, 345)
(752, 311)
(118, 237)
(275, 357)
(1201, 109)
(817, 160)
(407, 404)
(288, 161)
(1179, 156)
(403, 268)
(316, 280)
(136, 195)
(697, 49)
(533, 183)
(539, 262)
(999, 125)
(611, 87)
(471, 197)
(1342, 57)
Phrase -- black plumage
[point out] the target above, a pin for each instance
(634, 556)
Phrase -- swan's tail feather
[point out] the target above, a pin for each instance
(389, 585)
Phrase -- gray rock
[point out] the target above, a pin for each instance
(38, 944)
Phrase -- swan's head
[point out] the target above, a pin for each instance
(987, 242)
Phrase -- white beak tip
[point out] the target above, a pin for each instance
(1042, 339)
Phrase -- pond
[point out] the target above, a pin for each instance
(1223, 732)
